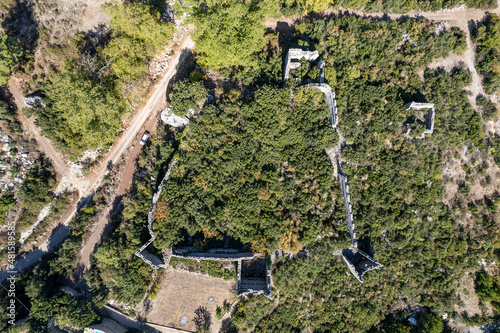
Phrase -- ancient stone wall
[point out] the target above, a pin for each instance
(347, 204)
(330, 101)
(147, 257)
(216, 256)
(293, 57)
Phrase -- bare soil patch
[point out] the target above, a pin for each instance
(469, 300)
(181, 293)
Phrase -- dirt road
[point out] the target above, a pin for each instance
(462, 15)
(457, 17)
(87, 185)
(29, 127)
(152, 107)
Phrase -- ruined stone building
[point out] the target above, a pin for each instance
(428, 119)
(254, 277)
(293, 57)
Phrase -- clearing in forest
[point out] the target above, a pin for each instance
(181, 293)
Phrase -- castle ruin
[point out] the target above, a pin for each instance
(428, 118)
(293, 57)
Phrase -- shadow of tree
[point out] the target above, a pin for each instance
(202, 320)
(21, 23)
(227, 326)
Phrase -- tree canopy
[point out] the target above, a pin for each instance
(229, 33)
(10, 52)
(81, 113)
(487, 35)
(138, 33)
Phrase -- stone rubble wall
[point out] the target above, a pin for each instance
(169, 118)
(147, 257)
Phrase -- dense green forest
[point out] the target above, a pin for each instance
(252, 165)
(396, 190)
(487, 37)
(241, 163)
(290, 7)
(229, 33)
(36, 190)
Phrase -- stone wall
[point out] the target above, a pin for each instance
(347, 204)
(321, 66)
(330, 101)
(142, 253)
(216, 256)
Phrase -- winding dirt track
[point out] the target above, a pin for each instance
(29, 127)
(88, 184)
(153, 105)
(457, 17)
